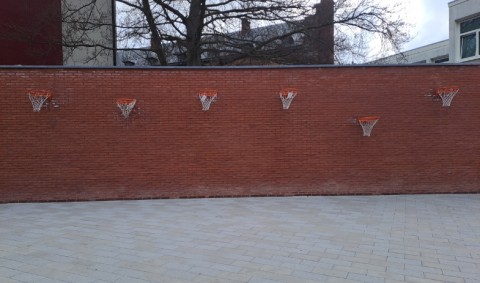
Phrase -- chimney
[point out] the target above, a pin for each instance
(324, 37)
(324, 11)
(245, 27)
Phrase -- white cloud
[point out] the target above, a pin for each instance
(431, 18)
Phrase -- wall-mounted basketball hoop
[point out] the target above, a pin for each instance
(447, 94)
(207, 97)
(367, 124)
(287, 95)
(126, 105)
(38, 97)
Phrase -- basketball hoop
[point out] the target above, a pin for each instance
(126, 105)
(38, 97)
(207, 97)
(287, 95)
(447, 94)
(367, 124)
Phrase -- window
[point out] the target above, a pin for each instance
(441, 60)
(470, 25)
(469, 38)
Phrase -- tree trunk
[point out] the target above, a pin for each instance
(156, 42)
(194, 32)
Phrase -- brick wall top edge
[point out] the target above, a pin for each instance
(242, 67)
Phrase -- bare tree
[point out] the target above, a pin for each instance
(282, 31)
(238, 32)
(88, 31)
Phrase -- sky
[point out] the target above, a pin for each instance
(431, 19)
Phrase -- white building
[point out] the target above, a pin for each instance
(463, 43)
(103, 33)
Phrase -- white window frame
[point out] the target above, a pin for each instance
(459, 43)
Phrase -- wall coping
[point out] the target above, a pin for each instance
(240, 67)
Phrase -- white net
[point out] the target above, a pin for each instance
(367, 126)
(287, 98)
(447, 95)
(37, 99)
(126, 106)
(206, 100)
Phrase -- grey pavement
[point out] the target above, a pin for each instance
(384, 239)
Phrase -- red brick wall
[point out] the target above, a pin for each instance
(80, 147)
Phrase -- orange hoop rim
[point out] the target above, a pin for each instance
(207, 92)
(46, 93)
(125, 101)
(285, 91)
(367, 119)
(447, 89)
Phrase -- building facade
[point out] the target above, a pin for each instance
(462, 46)
(28, 36)
(36, 32)
(101, 33)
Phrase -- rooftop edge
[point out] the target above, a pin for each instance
(237, 67)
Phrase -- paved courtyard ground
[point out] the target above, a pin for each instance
(422, 238)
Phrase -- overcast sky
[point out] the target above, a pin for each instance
(431, 19)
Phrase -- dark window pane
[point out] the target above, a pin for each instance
(443, 60)
(470, 25)
(469, 45)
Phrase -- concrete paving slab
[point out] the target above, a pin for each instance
(419, 238)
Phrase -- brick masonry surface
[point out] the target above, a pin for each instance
(80, 147)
